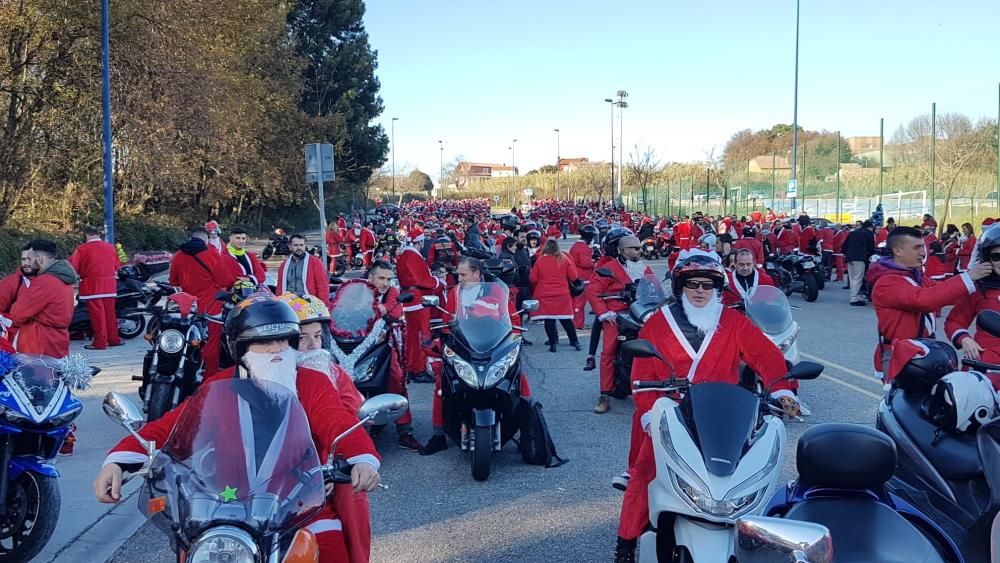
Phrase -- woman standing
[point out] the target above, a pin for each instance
(550, 278)
(967, 243)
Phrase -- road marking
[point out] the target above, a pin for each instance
(847, 371)
(861, 390)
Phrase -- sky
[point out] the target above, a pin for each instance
(478, 74)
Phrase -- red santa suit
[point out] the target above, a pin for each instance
(583, 259)
(315, 280)
(809, 241)
(10, 287)
(736, 293)
(734, 340)
(367, 245)
(786, 240)
(881, 236)
(327, 418)
(602, 295)
(248, 264)
(333, 242)
(965, 252)
(839, 265)
(753, 245)
(906, 302)
(550, 278)
(415, 277)
(682, 235)
(43, 311)
(97, 263)
(963, 315)
(553, 231)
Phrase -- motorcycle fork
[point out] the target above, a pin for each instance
(5, 455)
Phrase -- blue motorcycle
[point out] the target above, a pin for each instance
(37, 407)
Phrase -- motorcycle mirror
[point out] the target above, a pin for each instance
(430, 301)
(406, 297)
(604, 273)
(641, 349)
(759, 539)
(531, 305)
(383, 409)
(989, 321)
(121, 410)
(222, 295)
(805, 370)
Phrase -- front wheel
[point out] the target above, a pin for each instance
(482, 452)
(340, 268)
(160, 395)
(809, 288)
(33, 503)
(268, 252)
(131, 326)
(820, 275)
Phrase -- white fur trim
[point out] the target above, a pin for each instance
(365, 458)
(101, 296)
(125, 458)
(645, 420)
(550, 317)
(606, 316)
(969, 284)
(960, 332)
(784, 393)
(325, 525)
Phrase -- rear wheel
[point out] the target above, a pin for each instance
(820, 275)
(32, 512)
(268, 252)
(340, 268)
(482, 452)
(160, 395)
(131, 326)
(809, 289)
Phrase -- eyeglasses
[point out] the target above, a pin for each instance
(630, 248)
(706, 285)
(994, 257)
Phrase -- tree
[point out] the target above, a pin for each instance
(642, 170)
(418, 181)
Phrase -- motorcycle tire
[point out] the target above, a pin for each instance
(133, 326)
(810, 290)
(36, 499)
(820, 276)
(482, 452)
(340, 269)
(268, 252)
(160, 399)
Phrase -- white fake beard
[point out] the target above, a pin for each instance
(319, 360)
(635, 269)
(277, 368)
(703, 318)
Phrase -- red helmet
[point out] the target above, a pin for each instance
(213, 227)
(697, 264)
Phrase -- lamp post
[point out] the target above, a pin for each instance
(558, 159)
(612, 190)
(513, 166)
(622, 94)
(795, 104)
(441, 166)
(394, 120)
(109, 193)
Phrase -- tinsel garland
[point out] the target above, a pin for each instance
(344, 290)
(75, 371)
(7, 363)
(347, 361)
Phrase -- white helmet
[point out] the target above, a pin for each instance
(963, 401)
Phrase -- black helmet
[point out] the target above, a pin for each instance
(534, 235)
(804, 220)
(989, 240)
(509, 222)
(602, 224)
(697, 266)
(530, 225)
(749, 232)
(260, 318)
(610, 243)
(920, 374)
(588, 232)
(501, 269)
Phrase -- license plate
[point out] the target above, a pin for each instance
(807, 265)
(649, 247)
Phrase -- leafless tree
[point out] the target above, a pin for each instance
(642, 171)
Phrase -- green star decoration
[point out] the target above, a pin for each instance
(228, 494)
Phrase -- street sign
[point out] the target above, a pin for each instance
(528, 192)
(792, 188)
(313, 166)
(496, 199)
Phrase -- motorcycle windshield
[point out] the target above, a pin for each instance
(482, 317)
(768, 309)
(241, 452)
(353, 311)
(649, 291)
(36, 381)
(721, 418)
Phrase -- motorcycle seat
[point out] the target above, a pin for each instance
(864, 530)
(955, 456)
(845, 455)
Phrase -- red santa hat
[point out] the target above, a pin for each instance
(902, 352)
(213, 227)
(988, 221)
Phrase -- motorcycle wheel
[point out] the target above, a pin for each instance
(482, 453)
(820, 276)
(159, 400)
(340, 269)
(268, 252)
(131, 326)
(33, 503)
(809, 288)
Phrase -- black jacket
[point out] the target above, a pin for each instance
(859, 246)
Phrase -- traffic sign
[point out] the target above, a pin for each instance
(324, 164)
(496, 199)
(792, 188)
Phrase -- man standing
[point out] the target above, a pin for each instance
(42, 312)
(12, 286)
(97, 263)
(248, 263)
(367, 243)
(858, 248)
(302, 273)
(744, 278)
(415, 277)
(215, 237)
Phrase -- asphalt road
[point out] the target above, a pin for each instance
(434, 511)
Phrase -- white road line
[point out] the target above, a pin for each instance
(861, 390)
(848, 371)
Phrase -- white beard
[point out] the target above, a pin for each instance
(277, 368)
(704, 318)
(319, 360)
(635, 269)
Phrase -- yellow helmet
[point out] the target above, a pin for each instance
(309, 309)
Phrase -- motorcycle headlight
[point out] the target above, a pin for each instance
(499, 369)
(463, 368)
(171, 341)
(224, 543)
(785, 344)
(701, 500)
(364, 370)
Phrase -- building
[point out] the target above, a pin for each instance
(571, 164)
(768, 163)
(467, 173)
(861, 145)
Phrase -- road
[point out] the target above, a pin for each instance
(434, 511)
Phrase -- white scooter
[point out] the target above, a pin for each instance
(711, 469)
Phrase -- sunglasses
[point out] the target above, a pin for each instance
(994, 257)
(706, 285)
(632, 248)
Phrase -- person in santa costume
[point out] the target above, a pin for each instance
(839, 264)
(983, 346)
(415, 277)
(334, 240)
(749, 241)
(261, 332)
(784, 237)
(302, 273)
(582, 254)
(11, 286)
(682, 233)
(967, 242)
(825, 236)
(905, 299)
(250, 266)
(621, 258)
(97, 263)
(367, 243)
(551, 275)
(744, 278)
(41, 315)
(703, 341)
(215, 237)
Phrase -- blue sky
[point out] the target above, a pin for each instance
(478, 74)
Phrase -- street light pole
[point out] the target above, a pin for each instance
(795, 106)
(441, 167)
(612, 189)
(109, 192)
(394, 120)
(558, 159)
(513, 166)
(622, 94)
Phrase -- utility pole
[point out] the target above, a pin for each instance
(795, 107)
(558, 162)
(109, 189)
(441, 167)
(612, 190)
(394, 120)
(622, 94)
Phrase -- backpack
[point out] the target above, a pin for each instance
(535, 442)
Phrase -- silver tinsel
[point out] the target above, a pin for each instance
(75, 371)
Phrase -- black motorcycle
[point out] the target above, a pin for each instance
(135, 299)
(481, 376)
(794, 273)
(277, 245)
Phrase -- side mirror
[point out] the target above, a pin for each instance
(383, 409)
(759, 539)
(430, 301)
(222, 295)
(123, 411)
(406, 297)
(604, 273)
(531, 305)
(641, 349)
(989, 321)
(805, 370)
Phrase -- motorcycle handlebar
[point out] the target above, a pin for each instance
(983, 366)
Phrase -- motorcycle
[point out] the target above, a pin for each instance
(794, 273)
(953, 477)
(172, 367)
(711, 469)
(768, 309)
(277, 245)
(39, 408)
(649, 250)
(134, 300)
(219, 507)
(481, 375)
(357, 260)
(841, 495)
